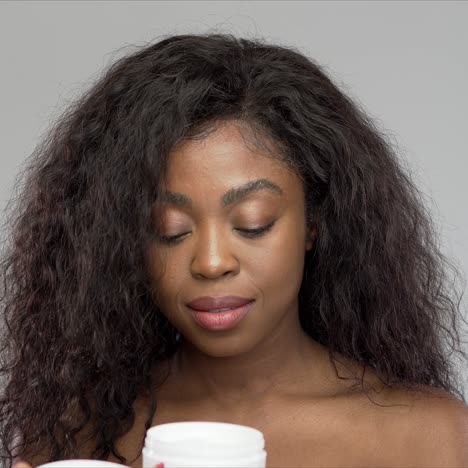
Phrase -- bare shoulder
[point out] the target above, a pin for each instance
(434, 431)
(396, 426)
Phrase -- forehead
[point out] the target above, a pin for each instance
(227, 157)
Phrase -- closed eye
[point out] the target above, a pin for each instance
(257, 232)
(250, 233)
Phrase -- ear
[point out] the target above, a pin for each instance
(311, 235)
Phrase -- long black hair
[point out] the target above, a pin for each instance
(82, 331)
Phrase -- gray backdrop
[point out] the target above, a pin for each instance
(405, 62)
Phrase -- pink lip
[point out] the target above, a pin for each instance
(221, 320)
(208, 303)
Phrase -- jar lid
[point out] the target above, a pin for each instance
(204, 437)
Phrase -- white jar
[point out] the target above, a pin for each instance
(77, 463)
(191, 444)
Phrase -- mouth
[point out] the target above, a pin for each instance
(221, 319)
(218, 304)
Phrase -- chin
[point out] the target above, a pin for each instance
(223, 346)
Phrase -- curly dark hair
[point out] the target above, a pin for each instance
(82, 332)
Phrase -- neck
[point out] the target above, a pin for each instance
(282, 364)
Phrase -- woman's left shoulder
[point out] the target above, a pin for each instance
(435, 430)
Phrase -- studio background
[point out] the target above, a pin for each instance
(405, 62)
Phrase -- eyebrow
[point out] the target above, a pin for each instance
(232, 196)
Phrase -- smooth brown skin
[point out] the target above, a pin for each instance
(238, 366)
(266, 372)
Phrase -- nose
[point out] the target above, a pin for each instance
(213, 254)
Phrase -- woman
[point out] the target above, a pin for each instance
(216, 232)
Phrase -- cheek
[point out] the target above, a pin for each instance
(164, 273)
(279, 264)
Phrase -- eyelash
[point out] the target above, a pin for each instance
(250, 233)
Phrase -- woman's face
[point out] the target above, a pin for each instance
(213, 256)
